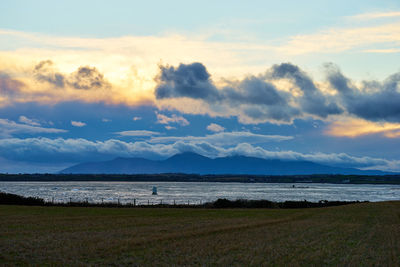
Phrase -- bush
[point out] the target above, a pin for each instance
(12, 199)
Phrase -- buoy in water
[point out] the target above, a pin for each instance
(154, 190)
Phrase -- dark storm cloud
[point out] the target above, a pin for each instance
(8, 85)
(313, 101)
(193, 81)
(253, 90)
(257, 98)
(44, 71)
(190, 80)
(84, 78)
(374, 101)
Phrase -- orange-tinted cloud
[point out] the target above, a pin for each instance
(358, 127)
(43, 82)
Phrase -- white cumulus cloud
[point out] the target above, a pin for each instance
(164, 119)
(78, 123)
(213, 127)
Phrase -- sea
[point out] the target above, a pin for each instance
(198, 192)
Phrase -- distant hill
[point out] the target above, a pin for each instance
(197, 164)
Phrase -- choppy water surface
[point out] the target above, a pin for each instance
(182, 192)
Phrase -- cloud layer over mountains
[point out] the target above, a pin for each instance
(77, 150)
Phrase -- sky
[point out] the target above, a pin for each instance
(294, 80)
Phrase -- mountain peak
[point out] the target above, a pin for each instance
(187, 155)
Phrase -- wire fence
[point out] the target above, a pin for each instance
(121, 202)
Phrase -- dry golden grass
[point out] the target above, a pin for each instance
(365, 234)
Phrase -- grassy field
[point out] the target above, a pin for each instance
(365, 234)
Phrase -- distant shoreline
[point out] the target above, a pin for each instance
(177, 177)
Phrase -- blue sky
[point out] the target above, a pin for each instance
(93, 80)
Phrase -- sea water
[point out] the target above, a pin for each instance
(198, 192)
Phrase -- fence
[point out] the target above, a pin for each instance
(12, 199)
(119, 202)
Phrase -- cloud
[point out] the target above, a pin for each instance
(164, 119)
(188, 88)
(78, 123)
(213, 127)
(44, 71)
(9, 86)
(376, 15)
(75, 150)
(136, 118)
(43, 83)
(223, 138)
(137, 133)
(357, 127)
(9, 128)
(255, 98)
(258, 99)
(342, 159)
(192, 80)
(373, 100)
(86, 78)
(26, 120)
(383, 51)
(313, 101)
(128, 64)
(117, 54)
(126, 67)
(336, 40)
(105, 120)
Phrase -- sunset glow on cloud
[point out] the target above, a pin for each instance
(356, 127)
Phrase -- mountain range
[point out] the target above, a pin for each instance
(192, 163)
